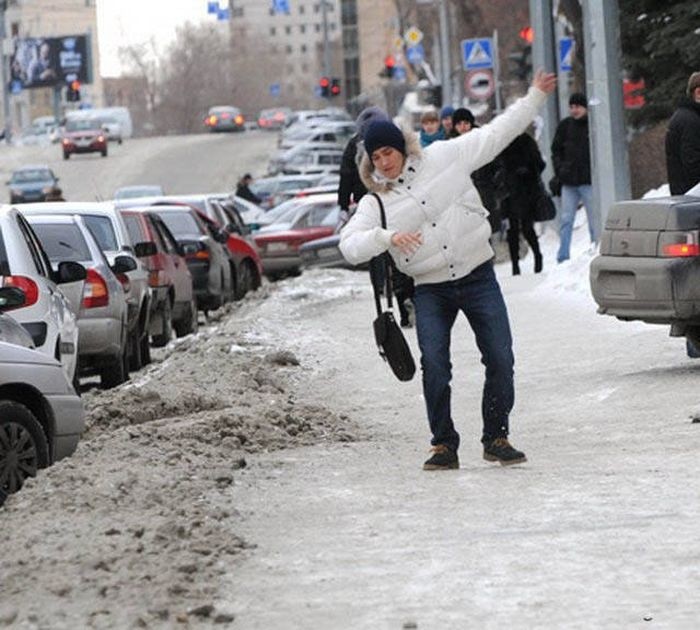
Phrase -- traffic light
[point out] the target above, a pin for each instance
(325, 84)
(527, 34)
(389, 67)
(335, 87)
(73, 91)
(522, 63)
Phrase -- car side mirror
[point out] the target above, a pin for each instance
(233, 228)
(124, 264)
(69, 271)
(11, 297)
(147, 248)
(220, 236)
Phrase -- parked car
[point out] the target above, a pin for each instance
(141, 190)
(107, 226)
(206, 257)
(32, 183)
(323, 135)
(173, 304)
(41, 416)
(225, 118)
(648, 268)
(11, 331)
(83, 135)
(279, 161)
(314, 162)
(103, 343)
(273, 118)
(51, 298)
(299, 220)
(253, 215)
(112, 128)
(268, 188)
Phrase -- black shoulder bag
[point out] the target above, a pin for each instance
(392, 345)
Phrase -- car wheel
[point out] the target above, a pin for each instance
(23, 447)
(66, 156)
(189, 322)
(162, 339)
(104, 152)
(116, 371)
(145, 351)
(135, 360)
(246, 280)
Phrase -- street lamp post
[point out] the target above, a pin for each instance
(3, 74)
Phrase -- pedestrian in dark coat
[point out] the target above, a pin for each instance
(683, 141)
(243, 189)
(572, 165)
(522, 165)
(486, 178)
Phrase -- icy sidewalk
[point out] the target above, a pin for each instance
(597, 530)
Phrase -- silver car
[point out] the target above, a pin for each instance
(51, 298)
(41, 416)
(103, 317)
(107, 226)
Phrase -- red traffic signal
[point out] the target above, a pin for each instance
(389, 66)
(527, 33)
(335, 87)
(325, 84)
(75, 85)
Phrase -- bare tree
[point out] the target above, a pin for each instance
(141, 61)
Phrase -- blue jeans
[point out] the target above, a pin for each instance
(570, 197)
(479, 297)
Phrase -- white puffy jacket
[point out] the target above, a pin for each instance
(435, 196)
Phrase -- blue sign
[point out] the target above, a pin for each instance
(223, 14)
(16, 86)
(213, 7)
(275, 89)
(399, 73)
(280, 6)
(415, 54)
(477, 53)
(566, 53)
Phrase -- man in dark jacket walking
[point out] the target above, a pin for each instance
(572, 165)
(683, 141)
(243, 189)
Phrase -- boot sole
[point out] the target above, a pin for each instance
(454, 466)
(504, 462)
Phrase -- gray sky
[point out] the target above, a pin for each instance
(123, 22)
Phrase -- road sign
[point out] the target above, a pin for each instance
(213, 7)
(415, 54)
(566, 54)
(413, 36)
(477, 53)
(480, 84)
(16, 86)
(399, 73)
(275, 89)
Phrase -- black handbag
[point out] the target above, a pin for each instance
(391, 343)
(544, 208)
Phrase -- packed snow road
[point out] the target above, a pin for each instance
(267, 474)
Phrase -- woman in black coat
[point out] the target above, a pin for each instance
(522, 165)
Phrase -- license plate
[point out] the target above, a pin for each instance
(276, 247)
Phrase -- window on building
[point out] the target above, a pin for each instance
(273, 31)
(288, 49)
(318, 28)
(333, 26)
(303, 48)
(302, 9)
(304, 67)
(288, 30)
(302, 28)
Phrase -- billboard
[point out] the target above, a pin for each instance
(49, 61)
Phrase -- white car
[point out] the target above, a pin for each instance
(108, 227)
(112, 128)
(41, 416)
(48, 312)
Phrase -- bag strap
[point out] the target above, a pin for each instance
(387, 266)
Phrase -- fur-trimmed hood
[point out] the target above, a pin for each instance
(375, 182)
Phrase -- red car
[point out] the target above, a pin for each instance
(173, 304)
(296, 221)
(83, 135)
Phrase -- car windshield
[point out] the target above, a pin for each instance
(82, 125)
(33, 175)
(103, 231)
(286, 209)
(180, 222)
(138, 191)
(62, 241)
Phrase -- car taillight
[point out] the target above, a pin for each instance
(95, 292)
(156, 278)
(195, 250)
(30, 288)
(679, 244)
(239, 119)
(212, 120)
(100, 138)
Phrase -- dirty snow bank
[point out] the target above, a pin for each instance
(137, 527)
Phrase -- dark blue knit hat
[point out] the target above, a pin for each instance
(384, 133)
(367, 116)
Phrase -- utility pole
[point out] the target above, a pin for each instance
(445, 65)
(326, 43)
(543, 56)
(609, 160)
(3, 74)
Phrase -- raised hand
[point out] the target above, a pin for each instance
(545, 81)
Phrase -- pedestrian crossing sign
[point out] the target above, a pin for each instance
(477, 53)
(566, 54)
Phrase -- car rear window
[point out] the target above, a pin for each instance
(134, 227)
(82, 125)
(4, 263)
(103, 231)
(34, 175)
(180, 222)
(62, 242)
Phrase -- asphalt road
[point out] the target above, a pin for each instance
(180, 164)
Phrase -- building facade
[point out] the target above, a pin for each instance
(51, 18)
